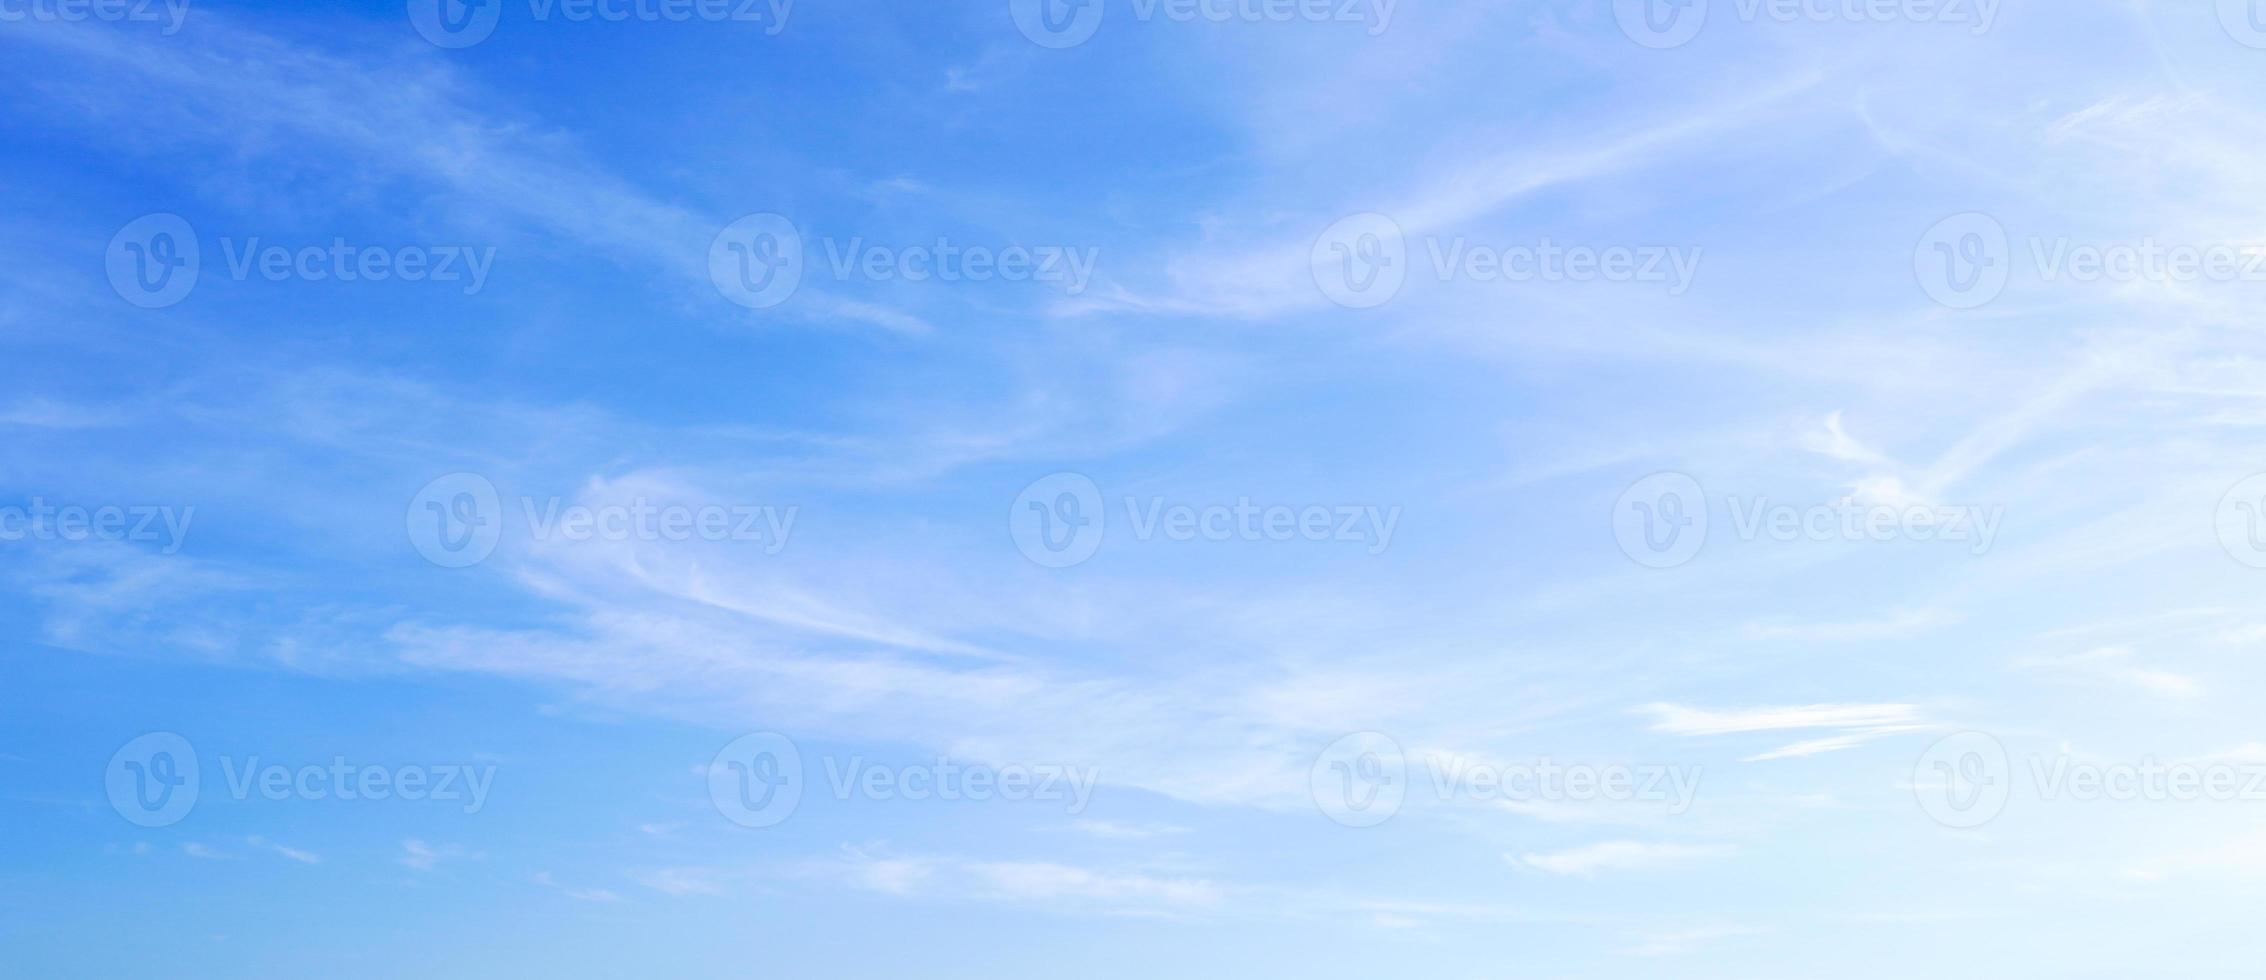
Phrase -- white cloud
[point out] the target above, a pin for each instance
(1679, 720)
(1900, 624)
(1683, 942)
(1042, 884)
(578, 893)
(1617, 856)
(681, 881)
(292, 853)
(417, 855)
(1116, 830)
(2114, 666)
(1860, 723)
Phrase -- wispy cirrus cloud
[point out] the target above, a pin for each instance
(1861, 723)
(1591, 859)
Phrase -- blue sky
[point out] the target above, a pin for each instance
(1539, 489)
